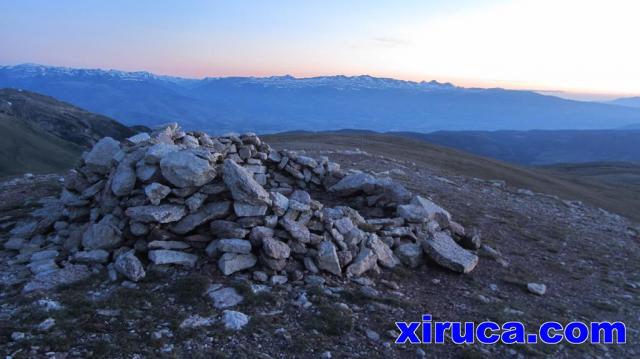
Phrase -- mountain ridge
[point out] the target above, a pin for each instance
(284, 103)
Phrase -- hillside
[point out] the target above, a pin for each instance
(41, 134)
(284, 103)
(542, 147)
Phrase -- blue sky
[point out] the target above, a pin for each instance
(568, 45)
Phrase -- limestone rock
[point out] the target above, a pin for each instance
(102, 235)
(327, 258)
(230, 263)
(156, 192)
(165, 213)
(101, 155)
(243, 187)
(185, 169)
(130, 266)
(446, 252)
(275, 248)
(210, 211)
(166, 256)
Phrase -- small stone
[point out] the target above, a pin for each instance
(185, 169)
(446, 252)
(260, 276)
(230, 263)
(234, 320)
(278, 279)
(46, 324)
(156, 192)
(327, 258)
(17, 336)
(194, 321)
(234, 245)
(94, 256)
(165, 256)
(165, 213)
(275, 248)
(410, 254)
(130, 266)
(537, 288)
(372, 335)
(224, 297)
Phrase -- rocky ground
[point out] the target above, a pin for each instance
(587, 259)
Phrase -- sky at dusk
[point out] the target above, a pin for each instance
(579, 46)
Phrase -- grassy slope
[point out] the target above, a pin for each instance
(25, 149)
(455, 162)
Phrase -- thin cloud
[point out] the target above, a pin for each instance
(390, 41)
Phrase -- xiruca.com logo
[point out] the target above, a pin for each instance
(435, 332)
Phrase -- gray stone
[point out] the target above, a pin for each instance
(249, 210)
(366, 260)
(146, 172)
(139, 138)
(165, 256)
(124, 179)
(185, 169)
(156, 192)
(15, 244)
(412, 213)
(310, 265)
(297, 230)
(537, 288)
(99, 158)
(280, 203)
(195, 201)
(165, 213)
(382, 251)
(447, 253)
(195, 321)
(49, 280)
(275, 248)
(130, 266)
(210, 211)
(243, 187)
(44, 265)
(227, 229)
(138, 229)
(168, 245)
(233, 262)
(224, 297)
(102, 235)
(47, 254)
(433, 211)
(410, 254)
(344, 225)
(158, 151)
(234, 320)
(234, 245)
(300, 201)
(354, 184)
(327, 258)
(94, 256)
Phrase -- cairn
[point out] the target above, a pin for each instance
(185, 198)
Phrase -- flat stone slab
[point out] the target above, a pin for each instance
(224, 297)
(166, 256)
(52, 279)
(447, 253)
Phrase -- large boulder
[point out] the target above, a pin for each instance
(185, 169)
(447, 253)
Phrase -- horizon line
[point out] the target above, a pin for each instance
(549, 92)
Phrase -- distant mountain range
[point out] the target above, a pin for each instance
(542, 147)
(627, 101)
(284, 103)
(41, 134)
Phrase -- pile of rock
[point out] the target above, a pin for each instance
(185, 198)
